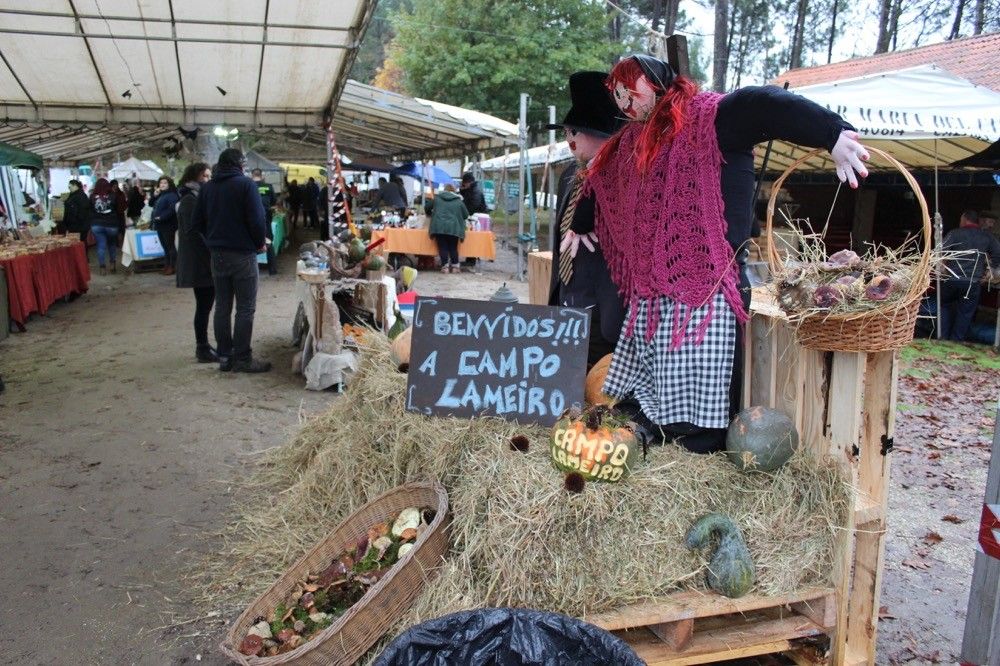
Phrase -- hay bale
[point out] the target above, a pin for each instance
(519, 538)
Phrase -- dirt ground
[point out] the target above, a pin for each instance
(119, 454)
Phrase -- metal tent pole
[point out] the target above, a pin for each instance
(522, 136)
(938, 240)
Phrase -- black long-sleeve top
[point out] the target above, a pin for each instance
(746, 117)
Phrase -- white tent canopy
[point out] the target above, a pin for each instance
(560, 152)
(132, 168)
(922, 116)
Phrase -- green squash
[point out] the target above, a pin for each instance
(356, 250)
(366, 233)
(398, 326)
(730, 570)
(374, 263)
(761, 439)
(597, 443)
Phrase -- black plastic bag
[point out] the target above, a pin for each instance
(507, 637)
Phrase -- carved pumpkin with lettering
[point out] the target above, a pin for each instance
(598, 443)
(592, 393)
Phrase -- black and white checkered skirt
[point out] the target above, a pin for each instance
(690, 383)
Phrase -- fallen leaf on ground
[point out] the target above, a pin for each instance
(932, 538)
(884, 614)
(952, 518)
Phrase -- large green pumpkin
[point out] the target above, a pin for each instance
(356, 250)
(761, 439)
(730, 570)
(607, 452)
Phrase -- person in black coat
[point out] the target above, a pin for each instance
(194, 263)
(136, 202)
(76, 211)
(592, 118)
(472, 195)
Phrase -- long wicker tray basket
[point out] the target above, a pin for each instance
(363, 624)
(883, 328)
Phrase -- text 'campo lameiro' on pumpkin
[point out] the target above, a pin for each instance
(505, 325)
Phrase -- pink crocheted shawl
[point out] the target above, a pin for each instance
(663, 232)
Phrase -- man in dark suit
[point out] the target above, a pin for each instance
(580, 275)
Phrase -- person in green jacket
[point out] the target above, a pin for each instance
(448, 213)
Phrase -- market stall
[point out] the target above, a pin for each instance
(41, 271)
(477, 244)
(141, 245)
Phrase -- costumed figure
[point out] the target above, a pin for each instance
(673, 215)
(580, 276)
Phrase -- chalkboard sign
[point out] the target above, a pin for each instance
(526, 363)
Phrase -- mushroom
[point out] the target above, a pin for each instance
(251, 645)
(405, 548)
(879, 288)
(318, 617)
(826, 296)
(409, 534)
(285, 634)
(844, 259)
(299, 626)
(382, 544)
(378, 530)
(306, 600)
(262, 629)
(409, 517)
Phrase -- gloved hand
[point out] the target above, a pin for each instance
(847, 154)
(571, 242)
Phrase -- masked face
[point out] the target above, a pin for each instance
(583, 146)
(636, 104)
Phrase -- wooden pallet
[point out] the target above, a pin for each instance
(700, 628)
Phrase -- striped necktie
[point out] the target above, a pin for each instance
(565, 260)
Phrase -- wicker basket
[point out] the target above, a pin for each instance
(383, 605)
(882, 328)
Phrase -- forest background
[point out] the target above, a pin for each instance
(481, 54)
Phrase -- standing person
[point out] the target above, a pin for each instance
(398, 182)
(389, 196)
(310, 200)
(673, 190)
(324, 212)
(268, 199)
(165, 221)
(580, 276)
(963, 274)
(136, 202)
(104, 223)
(448, 213)
(76, 211)
(230, 216)
(121, 204)
(194, 263)
(473, 197)
(293, 199)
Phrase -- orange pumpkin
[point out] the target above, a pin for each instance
(595, 444)
(592, 393)
(401, 349)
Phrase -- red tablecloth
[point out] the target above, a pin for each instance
(36, 281)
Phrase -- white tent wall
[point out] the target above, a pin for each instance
(12, 197)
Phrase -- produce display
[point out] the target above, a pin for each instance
(10, 248)
(322, 597)
(730, 571)
(843, 283)
(354, 334)
(401, 349)
(598, 443)
(761, 439)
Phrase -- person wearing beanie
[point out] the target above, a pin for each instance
(472, 195)
(230, 215)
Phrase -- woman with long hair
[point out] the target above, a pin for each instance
(165, 221)
(194, 263)
(136, 202)
(104, 223)
(673, 193)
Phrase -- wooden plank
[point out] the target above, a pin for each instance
(675, 634)
(981, 643)
(815, 401)
(763, 349)
(539, 277)
(695, 604)
(788, 373)
(757, 633)
(844, 431)
(877, 423)
(822, 611)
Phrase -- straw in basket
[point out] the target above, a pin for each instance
(882, 328)
(383, 605)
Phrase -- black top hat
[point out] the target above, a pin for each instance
(593, 110)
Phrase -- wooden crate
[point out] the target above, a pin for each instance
(843, 406)
(539, 277)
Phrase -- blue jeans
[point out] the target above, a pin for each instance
(107, 242)
(959, 302)
(235, 277)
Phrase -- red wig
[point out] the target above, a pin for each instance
(102, 188)
(665, 120)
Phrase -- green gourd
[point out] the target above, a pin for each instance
(730, 570)
(356, 250)
(761, 439)
(398, 326)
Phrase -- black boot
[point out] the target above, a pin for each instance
(252, 365)
(205, 354)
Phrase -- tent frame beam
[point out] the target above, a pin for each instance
(17, 78)
(93, 62)
(177, 54)
(176, 40)
(150, 19)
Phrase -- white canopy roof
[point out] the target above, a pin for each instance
(560, 152)
(921, 116)
(132, 167)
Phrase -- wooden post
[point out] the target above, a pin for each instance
(677, 54)
(981, 644)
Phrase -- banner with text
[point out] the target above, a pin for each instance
(526, 363)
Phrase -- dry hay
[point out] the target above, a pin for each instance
(518, 537)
